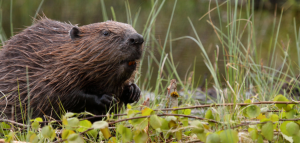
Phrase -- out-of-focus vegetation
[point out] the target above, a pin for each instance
(184, 52)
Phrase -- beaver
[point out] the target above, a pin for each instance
(60, 67)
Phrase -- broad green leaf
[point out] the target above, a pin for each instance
(84, 125)
(253, 133)
(229, 136)
(184, 121)
(164, 124)
(100, 125)
(128, 106)
(113, 140)
(260, 139)
(4, 128)
(274, 118)
(247, 101)
(66, 133)
(140, 137)
(178, 134)
(32, 137)
(72, 123)
(201, 136)
(155, 122)
(48, 132)
(296, 138)
(280, 97)
(283, 127)
(213, 138)
(209, 114)
(147, 111)
(290, 114)
(125, 133)
(261, 116)
(75, 138)
(292, 128)
(187, 111)
(267, 131)
(288, 138)
(38, 119)
(35, 125)
(172, 124)
(69, 114)
(253, 111)
(171, 118)
(10, 137)
(197, 127)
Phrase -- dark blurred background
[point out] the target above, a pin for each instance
(185, 52)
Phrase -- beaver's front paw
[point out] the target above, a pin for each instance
(105, 101)
(131, 93)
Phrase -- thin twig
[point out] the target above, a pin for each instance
(229, 104)
(164, 114)
(13, 122)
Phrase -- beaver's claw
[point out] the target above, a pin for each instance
(131, 93)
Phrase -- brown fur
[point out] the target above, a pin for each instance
(60, 66)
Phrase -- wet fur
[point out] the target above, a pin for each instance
(67, 71)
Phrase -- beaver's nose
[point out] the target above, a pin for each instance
(136, 39)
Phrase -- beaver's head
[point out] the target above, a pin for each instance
(107, 52)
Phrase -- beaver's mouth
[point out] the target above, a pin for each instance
(129, 62)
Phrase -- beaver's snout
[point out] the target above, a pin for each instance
(136, 39)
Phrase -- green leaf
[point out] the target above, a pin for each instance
(292, 128)
(178, 134)
(280, 97)
(288, 138)
(32, 137)
(296, 138)
(48, 132)
(10, 137)
(112, 140)
(147, 111)
(229, 136)
(155, 122)
(100, 125)
(290, 114)
(75, 138)
(209, 114)
(66, 133)
(69, 114)
(72, 123)
(140, 137)
(184, 121)
(4, 128)
(267, 131)
(197, 127)
(35, 125)
(260, 139)
(213, 138)
(187, 111)
(253, 111)
(125, 133)
(164, 124)
(84, 125)
(283, 128)
(38, 119)
(247, 101)
(274, 118)
(253, 133)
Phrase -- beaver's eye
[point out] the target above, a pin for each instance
(105, 33)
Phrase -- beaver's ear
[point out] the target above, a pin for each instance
(74, 33)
